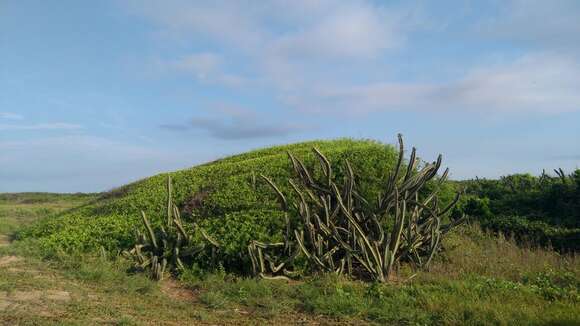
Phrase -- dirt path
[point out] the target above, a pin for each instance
(24, 290)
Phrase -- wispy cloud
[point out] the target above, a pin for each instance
(368, 30)
(544, 83)
(236, 123)
(236, 129)
(11, 116)
(244, 129)
(315, 27)
(42, 126)
(205, 67)
(540, 82)
(285, 45)
(307, 54)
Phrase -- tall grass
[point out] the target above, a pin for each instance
(472, 250)
(479, 279)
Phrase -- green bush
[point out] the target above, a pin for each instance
(554, 200)
(544, 210)
(471, 205)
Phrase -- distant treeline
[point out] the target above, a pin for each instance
(42, 197)
(542, 209)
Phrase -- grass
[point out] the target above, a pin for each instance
(480, 279)
(40, 288)
(101, 292)
(20, 209)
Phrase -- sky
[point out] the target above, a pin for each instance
(95, 94)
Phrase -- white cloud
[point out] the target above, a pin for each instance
(199, 63)
(10, 116)
(293, 30)
(349, 28)
(230, 22)
(544, 83)
(309, 54)
(533, 83)
(350, 31)
(42, 126)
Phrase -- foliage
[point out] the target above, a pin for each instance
(472, 299)
(552, 199)
(170, 245)
(479, 279)
(220, 196)
(544, 210)
(340, 231)
(554, 285)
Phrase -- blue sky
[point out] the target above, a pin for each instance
(95, 94)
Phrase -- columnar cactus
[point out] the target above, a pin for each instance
(338, 231)
(166, 247)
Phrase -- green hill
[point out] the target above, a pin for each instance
(223, 196)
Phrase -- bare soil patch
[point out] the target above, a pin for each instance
(8, 260)
(174, 290)
(4, 240)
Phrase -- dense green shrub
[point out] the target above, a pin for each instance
(551, 199)
(543, 210)
(473, 206)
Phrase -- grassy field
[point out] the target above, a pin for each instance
(478, 280)
(17, 210)
(86, 289)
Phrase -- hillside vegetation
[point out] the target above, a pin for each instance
(225, 197)
(479, 279)
(543, 210)
(19, 209)
(479, 276)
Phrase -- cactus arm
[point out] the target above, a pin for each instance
(169, 201)
(149, 230)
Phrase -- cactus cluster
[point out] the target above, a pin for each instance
(169, 246)
(340, 231)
